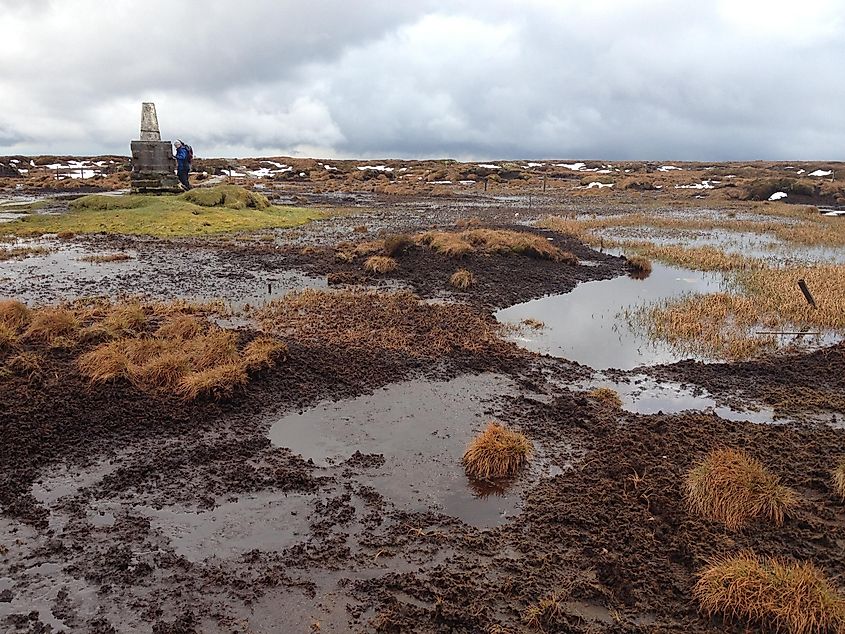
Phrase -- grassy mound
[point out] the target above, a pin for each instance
(505, 242)
(380, 264)
(497, 452)
(734, 488)
(783, 596)
(229, 196)
(197, 212)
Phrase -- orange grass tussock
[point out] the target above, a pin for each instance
(839, 480)
(778, 594)
(732, 487)
(462, 279)
(14, 314)
(497, 452)
(263, 353)
(380, 264)
(52, 325)
(606, 396)
(487, 241)
(215, 382)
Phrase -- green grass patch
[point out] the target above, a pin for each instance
(198, 212)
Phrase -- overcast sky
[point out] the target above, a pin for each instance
(467, 79)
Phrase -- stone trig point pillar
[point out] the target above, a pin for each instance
(153, 165)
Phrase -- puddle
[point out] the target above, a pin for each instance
(588, 324)
(267, 521)
(644, 395)
(421, 429)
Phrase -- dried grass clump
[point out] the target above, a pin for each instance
(462, 279)
(502, 241)
(216, 382)
(380, 264)
(640, 265)
(105, 363)
(26, 364)
(262, 353)
(534, 324)
(52, 325)
(215, 347)
(162, 372)
(14, 314)
(125, 319)
(839, 479)
(395, 244)
(8, 337)
(497, 452)
(180, 326)
(606, 396)
(449, 244)
(732, 487)
(548, 612)
(780, 595)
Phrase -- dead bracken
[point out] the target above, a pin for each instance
(732, 487)
(778, 594)
(497, 452)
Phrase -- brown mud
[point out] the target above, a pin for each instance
(327, 494)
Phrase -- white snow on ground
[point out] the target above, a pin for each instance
(668, 168)
(376, 168)
(302, 173)
(232, 173)
(575, 167)
(403, 169)
(821, 173)
(22, 170)
(330, 168)
(777, 196)
(281, 166)
(14, 161)
(490, 166)
(701, 185)
(440, 182)
(32, 162)
(261, 172)
(800, 171)
(599, 185)
(834, 213)
(603, 171)
(467, 182)
(530, 165)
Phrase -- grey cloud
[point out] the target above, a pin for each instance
(540, 78)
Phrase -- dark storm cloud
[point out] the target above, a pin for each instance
(539, 78)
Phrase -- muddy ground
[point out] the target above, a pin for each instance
(327, 496)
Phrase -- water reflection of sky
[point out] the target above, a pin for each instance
(588, 324)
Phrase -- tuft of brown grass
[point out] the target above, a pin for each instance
(452, 245)
(607, 396)
(216, 382)
(548, 612)
(732, 487)
(105, 363)
(163, 372)
(26, 364)
(395, 244)
(497, 452)
(839, 479)
(124, 319)
(14, 314)
(462, 279)
(216, 347)
(8, 337)
(180, 326)
(778, 594)
(380, 264)
(65, 235)
(51, 324)
(640, 265)
(534, 324)
(262, 353)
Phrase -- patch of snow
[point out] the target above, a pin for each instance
(731, 176)
(281, 166)
(32, 162)
(575, 167)
(599, 185)
(530, 165)
(302, 173)
(603, 172)
(821, 173)
(230, 173)
(403, 169)
(23, 171)
(834, 213)
(261, 172)
(701, 185)
(440, 182)
(467, 182)
(777, 196)
(490, 166)
(376, 168)
(668, 168)
(330, 168)
(800, 171)
(14, 161)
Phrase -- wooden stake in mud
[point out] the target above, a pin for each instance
(485, 184)
(807, 294)
(544, 182)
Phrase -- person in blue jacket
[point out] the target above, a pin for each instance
(183, 163)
